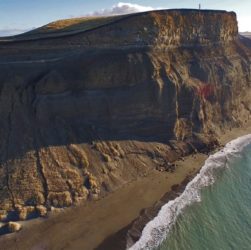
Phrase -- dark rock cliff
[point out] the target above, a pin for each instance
(86, 110)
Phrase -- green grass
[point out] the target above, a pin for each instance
(73, 25)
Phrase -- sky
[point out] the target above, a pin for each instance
(17, 16)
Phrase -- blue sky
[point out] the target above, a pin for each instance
(19, 15)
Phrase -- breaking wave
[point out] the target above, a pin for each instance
(157, 230)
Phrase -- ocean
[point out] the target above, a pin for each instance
(214, 211)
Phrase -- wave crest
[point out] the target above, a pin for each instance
(157, 230)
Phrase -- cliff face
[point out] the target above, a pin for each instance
(84, 111)
(156, 28)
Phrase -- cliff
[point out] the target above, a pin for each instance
(89, 105)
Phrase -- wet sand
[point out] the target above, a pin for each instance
(91, 226)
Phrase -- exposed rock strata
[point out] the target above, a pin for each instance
(84, 113)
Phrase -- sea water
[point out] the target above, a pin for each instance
(214, 211)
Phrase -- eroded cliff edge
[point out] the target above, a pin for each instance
(85, 110)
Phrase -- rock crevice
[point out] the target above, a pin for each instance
(84, 112)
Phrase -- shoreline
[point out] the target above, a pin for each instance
(156, 229)
(109, 218)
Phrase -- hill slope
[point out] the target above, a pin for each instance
(88, 107)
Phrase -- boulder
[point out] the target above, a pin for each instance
(14, 227)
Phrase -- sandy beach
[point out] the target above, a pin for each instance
(96, 224)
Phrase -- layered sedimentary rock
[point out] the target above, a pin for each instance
(88, 108)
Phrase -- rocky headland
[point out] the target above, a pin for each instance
(89, 105)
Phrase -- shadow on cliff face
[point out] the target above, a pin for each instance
(114, 97)
(60, 104)
(107, 116)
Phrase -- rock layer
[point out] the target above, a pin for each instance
(85, 111)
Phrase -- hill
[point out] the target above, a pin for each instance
(88, 105)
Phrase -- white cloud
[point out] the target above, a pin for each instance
(121, 9)
(244, 23)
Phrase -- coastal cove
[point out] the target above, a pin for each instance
(112, 126)
(221, 220)
(216, 166)
(99, 224)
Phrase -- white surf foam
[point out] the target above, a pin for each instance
(157, 230)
